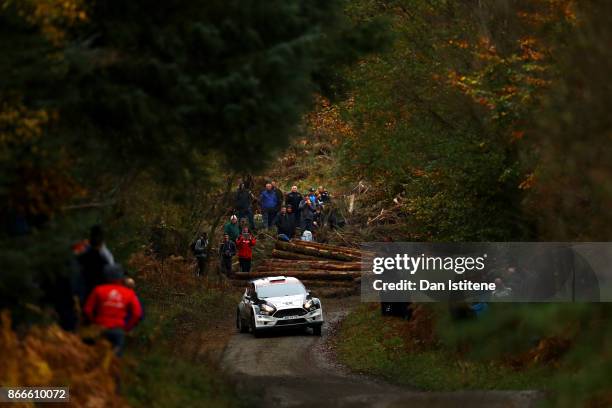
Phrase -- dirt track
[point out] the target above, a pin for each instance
(296, 369)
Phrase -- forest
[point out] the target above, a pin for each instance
(449, 121)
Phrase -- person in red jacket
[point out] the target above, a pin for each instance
(244, 243)
(114, 306)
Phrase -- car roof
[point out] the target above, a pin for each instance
(275, 280)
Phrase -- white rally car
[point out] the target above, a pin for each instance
(276, 302)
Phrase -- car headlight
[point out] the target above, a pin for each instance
(266, 309)
(311, 305)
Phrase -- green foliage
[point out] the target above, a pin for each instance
(161, 380)
(369, 343)
(97, 97)
(572, 135)
(439, 115)
(510, 331)
(167, 368)
(491, 118)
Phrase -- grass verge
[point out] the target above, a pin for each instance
(172, 358)
(406, 352)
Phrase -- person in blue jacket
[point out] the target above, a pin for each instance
(269, 205)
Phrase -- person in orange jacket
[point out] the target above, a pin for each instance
(244, 244)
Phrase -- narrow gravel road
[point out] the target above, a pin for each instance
(296, 369)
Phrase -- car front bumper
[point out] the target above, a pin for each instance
(310, 319)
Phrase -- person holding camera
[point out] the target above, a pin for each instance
(307, 210)
(245, 243)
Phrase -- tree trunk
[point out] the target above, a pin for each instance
(211, 234)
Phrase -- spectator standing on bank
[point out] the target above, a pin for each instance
(294, 198)
(312, 195)
(243, 204)
(317, 218)
(227, 250)
(269, 204)
(200, 251)
(232, 229)
(245, 244)
(279, 196)
(307, 209)
(323, 195)
(91, 264)
(285, 223)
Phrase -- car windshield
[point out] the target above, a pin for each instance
(275, 290)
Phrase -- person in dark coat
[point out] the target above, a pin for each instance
(91, 264)
(279, 196)
(243, 204)
(323, 195)
(294, 198)
(318, 219)
(285, 223)
(227, 251)
(200, 250)
(307, 210)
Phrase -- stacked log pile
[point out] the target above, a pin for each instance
(316, 265)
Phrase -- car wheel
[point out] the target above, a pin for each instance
(241, 324)
(316, 330)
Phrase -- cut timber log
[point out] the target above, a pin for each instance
(277, 253)
(280, 270)
(306, 275)
(321, 253)
(349, 250)
(310, 264)
(336, 292)
(335, 248)
(328, 284)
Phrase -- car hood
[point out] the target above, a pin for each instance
(286, 302)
